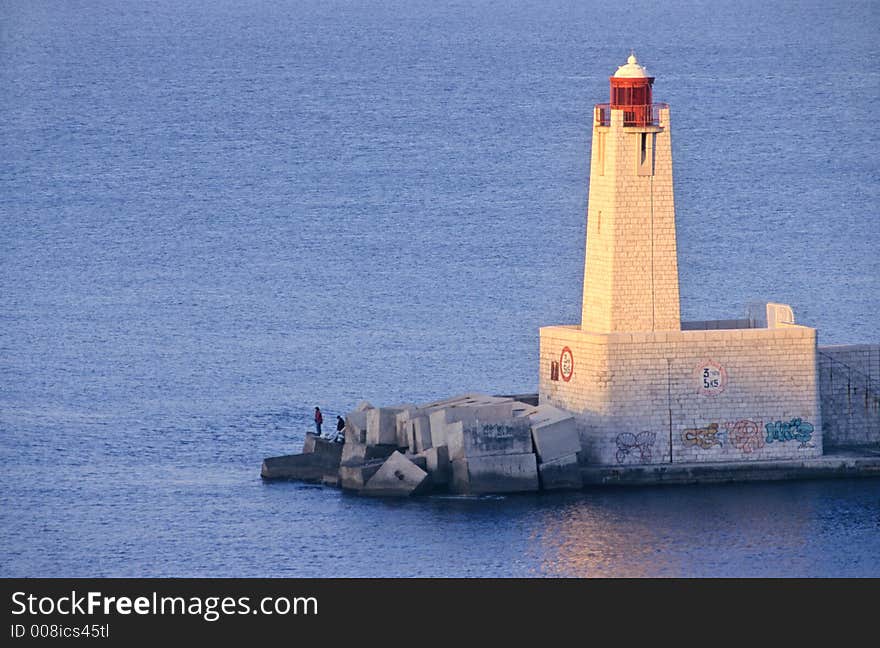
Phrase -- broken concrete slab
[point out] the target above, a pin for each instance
(309, 467)
(478, 438)
(554, 432)
(363, 406)
(398, 477)
(354, 478)
(495, 474)
(382, 426)
(562, 473)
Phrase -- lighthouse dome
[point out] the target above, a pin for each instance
(632, 69)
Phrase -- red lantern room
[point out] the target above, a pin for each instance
(631, 92)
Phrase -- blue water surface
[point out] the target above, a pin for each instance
(215, 216)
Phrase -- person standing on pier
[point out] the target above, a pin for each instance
(340, 428)
(319, 420)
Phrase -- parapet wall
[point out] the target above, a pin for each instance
(849, 385)
(686, 396)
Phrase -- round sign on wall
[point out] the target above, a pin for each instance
(711, 378)
(566, 364)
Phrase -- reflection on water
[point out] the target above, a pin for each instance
(723, 530)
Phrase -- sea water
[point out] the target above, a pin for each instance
(216, 216)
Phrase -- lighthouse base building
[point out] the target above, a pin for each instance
(644, 386)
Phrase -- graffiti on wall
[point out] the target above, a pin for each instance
(749, 436)
(794, 430)
(635, 448)
(705, 438)
(745, 435)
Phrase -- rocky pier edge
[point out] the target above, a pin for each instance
(476, 444)
(470, 444)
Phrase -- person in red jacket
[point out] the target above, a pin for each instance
(319, 419)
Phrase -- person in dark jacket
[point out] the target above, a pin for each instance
(340, 428)
(319, 420)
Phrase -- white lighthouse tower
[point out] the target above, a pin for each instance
(644, 386)
(631, 273)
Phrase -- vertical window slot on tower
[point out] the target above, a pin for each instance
(646, 154)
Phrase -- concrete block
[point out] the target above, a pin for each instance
(487, 411)
(309, 467)
(353, 453)
(398, 477)
(561, 473)
(309, 443)
(420, 460)
(419, 433)
(437, 465)
(325, 448)
(354, 478)
(478, 438)
(554, 432)
(363, 406)
(356, 427)
(403, 427)
(358, 453)
(495, 474)
(519, 409)
(472, 397)
(382, 426)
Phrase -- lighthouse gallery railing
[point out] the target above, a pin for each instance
(648, 115)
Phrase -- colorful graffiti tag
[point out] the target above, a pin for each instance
(704, 438)
(745, 435)
(635, 448)
(794, 430)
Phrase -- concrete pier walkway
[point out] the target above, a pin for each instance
(835, 463)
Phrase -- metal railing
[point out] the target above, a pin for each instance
(632, 115)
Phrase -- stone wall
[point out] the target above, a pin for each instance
(631, 269)
(849, 386)
(708, 395)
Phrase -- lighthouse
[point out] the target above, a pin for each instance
(644, 386)
(631, 272)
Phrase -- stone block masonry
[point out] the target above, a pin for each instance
(849, 386)
(687, 396)
(631, 269)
